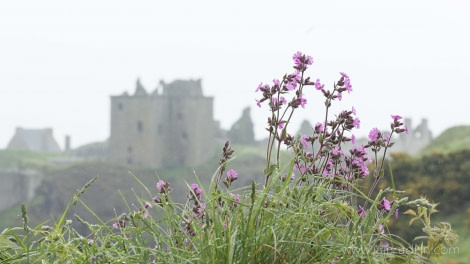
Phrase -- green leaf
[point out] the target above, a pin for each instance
(412, 220)
(6, 243)
(421, 238)
(272, 168)
(410, 212)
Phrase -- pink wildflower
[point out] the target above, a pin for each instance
(374, 134)
(160, 185)
(361, 212)
(232, 175)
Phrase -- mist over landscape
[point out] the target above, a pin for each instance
(132, 100)
(61, 62)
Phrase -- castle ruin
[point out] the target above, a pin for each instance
(34, 139)
(416, 139)
(241, 131)
(171, 128)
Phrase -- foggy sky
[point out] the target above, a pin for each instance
(60, 61)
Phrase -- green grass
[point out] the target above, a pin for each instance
(284, 222)
(278, 233)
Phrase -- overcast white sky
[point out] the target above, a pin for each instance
(61, 60)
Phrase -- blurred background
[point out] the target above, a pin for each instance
(156, 88)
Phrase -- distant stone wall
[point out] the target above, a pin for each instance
(18, 186)
(171, 128)
(416, 139)
(34, 139)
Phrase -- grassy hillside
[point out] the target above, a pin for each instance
(12, 158)
(105, 196)
(452, 139)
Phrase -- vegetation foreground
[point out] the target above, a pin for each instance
(309, 210)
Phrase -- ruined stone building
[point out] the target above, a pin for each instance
(34, 139)
(416, 139)
(242, 131)
(171, 127)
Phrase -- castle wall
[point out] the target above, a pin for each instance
(159, 143)
(134, 129)
(202, 125)
(193, 129)
(175, 128)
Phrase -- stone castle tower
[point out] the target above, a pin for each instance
(417, 138)
(174, 128)
(242, 130)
